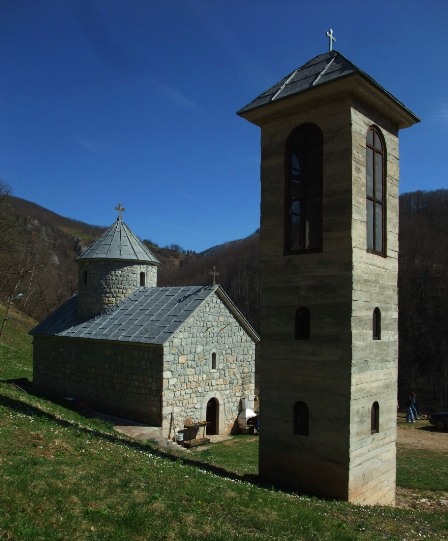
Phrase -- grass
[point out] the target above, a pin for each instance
(239, 455)
(64, 477)
(16, 348)
(422, 469)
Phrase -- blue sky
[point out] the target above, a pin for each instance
(134, 101)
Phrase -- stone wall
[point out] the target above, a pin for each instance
(211, 356)
(340, 371)
(117, 378)
(189, 379)
(315, 371)
(103, 283)
(374, 362)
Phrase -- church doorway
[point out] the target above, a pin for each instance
(212, 416)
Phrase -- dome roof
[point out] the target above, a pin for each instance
(119, 243)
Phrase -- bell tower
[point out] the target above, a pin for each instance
(328, 280)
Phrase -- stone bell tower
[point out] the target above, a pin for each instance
(328, 280)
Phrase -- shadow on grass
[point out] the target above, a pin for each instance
(22, 406)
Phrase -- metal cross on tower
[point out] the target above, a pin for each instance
(331, 37)
(214, 274)
(120, 209)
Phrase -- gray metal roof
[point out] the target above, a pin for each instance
(150, 316)
(119, 242)
(318, 71)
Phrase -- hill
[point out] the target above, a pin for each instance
(38, 250)
(65, 476)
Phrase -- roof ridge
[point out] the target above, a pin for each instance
(322, 73)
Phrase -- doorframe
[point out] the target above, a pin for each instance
(221, 428)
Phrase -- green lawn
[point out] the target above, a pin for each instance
(64, 477)
(422, 469)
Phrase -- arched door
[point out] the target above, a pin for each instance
(212, 416)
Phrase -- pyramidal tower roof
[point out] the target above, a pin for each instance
(119, 242)
(318, 73)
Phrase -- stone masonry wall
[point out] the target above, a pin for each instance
(101, 284)
(189, 380)
(340, 372)
(374, 362)
(121, 379)
(314, 371)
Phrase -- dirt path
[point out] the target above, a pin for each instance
(421, 435)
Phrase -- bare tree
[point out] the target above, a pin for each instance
(6, 218)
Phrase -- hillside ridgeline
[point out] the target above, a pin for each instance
(38, 250)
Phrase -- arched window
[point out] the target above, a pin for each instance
(213, 361)
(375, 192)
(302, 329)
(142, 279)
(301, 419)
(85, 277)
(376, 324)
(303, 193)
(375, 418)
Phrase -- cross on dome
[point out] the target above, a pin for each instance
(329, 34)
(120, 209)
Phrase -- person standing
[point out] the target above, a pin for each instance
(410, 411)
(415, 406)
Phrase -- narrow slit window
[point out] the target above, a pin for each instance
(302, 329)
(375, 418)
(85, 278)
(301, 419)
(142, 279)
(376, 324)
(213, 361)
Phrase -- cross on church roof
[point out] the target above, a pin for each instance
(331, 38)
(214, 274)
(120, 209)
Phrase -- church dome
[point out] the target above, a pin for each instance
(112, 268)
(119, 242)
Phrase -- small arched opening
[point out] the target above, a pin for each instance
(376, 324)
(301, 419)
(302, 328)
(375, 418)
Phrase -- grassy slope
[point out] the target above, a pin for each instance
(76, 480)
(15, 344)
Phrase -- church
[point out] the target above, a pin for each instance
(328, 300)
(166, 356)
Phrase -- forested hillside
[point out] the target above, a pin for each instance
(423, 296)
(38, 250)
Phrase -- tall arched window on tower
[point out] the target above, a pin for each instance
(301, 419)
(376, 324)
(303, 204)
(302, 326)
(375, 192)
